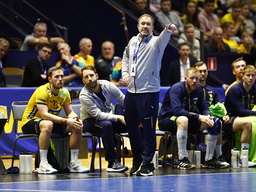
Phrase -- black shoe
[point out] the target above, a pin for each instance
(136, 165)
(186, 164)
(223, 164)
(213, 164)
(116, 167)
(146, 170)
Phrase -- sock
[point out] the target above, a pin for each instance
(74, 155)
(211, 143)
(182, 143)
(218, 150)
(43, 155)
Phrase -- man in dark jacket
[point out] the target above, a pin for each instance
(36, 68)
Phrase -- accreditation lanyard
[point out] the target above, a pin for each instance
(42, 66)
(138, 46)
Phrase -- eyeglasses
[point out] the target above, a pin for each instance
(45, 51)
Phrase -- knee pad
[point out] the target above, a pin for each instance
(215, 130)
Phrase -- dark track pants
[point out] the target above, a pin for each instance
(142, 108)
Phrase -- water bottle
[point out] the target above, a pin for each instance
(197, 158)
(29, 162)
(235, 158)
(25, 162)
(22, 162)
(244, 157)
(156, 160)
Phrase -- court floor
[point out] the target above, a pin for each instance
(165, 179)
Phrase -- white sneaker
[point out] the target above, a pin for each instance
(251, 164)
(76, 167)
(46, 168)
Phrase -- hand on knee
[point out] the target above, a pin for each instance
(215, 130)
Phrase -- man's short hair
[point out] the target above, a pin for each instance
(236, 4)
(199, 64)
(88, 67)
(41, 46)
(147, 15)
(209, 1)
(4, 42)
(40, 23)
(182, 44)
(192, 70)
(249, 68)
(188, 26)
(54, 68)
(238, 59)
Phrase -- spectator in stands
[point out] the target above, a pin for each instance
(85, 46)
(237, 69)
(235, 17)
(208, 20)
(106, 62)
(96, 98)
(41, 117)
(228, 34)
(117, 75)
(4, 46)
(12, 44)
(191, 16)
(184, 111)
(178, 67)
(216, 43)
(141, 64)
(247, 43)
(35, 73)
(249, 25)
(72, 68)
(38, 37)
(189, 37)
(166, 16)
(143, 9)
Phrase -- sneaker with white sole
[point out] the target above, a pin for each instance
(186, 164)
(77, 167)
(116, 167)
(222, 162)
(250, 163)
(136, 165)
(146, 170)
(46, 168)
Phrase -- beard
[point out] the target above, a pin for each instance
(192, 87)
(92, 85)
(58, 85)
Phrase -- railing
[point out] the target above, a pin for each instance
(56, 26)
(124, 23)
(17, 25)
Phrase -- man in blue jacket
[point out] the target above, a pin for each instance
(184, 110)
(240, 102)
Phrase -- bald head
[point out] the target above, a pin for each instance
(85, 46)
(217, 34)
